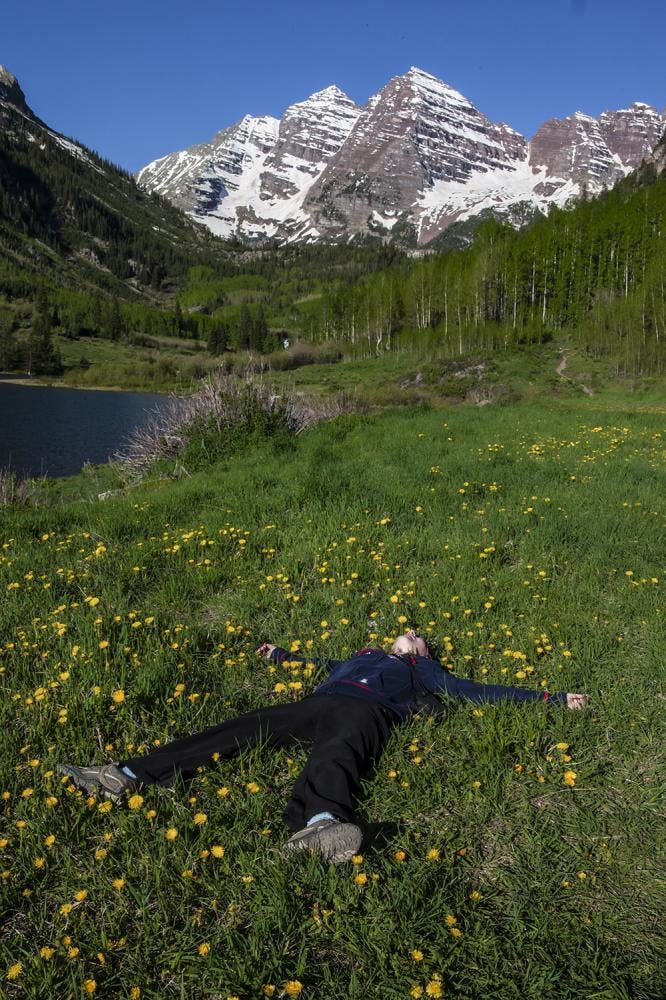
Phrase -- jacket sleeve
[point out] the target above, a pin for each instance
(466, 690)
(279, 654)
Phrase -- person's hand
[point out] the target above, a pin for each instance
(266, 649)
(575, 701)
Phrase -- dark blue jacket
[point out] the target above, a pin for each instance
(388, 679)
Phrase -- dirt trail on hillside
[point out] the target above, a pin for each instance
(561, 369)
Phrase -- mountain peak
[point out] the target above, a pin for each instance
(427, 87)
(329, 93)
(6, 77)
(10, 91)
(416, 73)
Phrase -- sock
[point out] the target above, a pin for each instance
(128, 771)
(318, 816)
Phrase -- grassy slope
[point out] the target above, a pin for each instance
(389, 380)
(553, 888)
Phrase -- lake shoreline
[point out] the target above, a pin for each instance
(8, 379)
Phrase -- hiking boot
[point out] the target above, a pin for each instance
(333, 840)
(107, 780)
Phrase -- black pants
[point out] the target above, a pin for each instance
(346, 735)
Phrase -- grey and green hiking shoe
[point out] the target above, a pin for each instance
(107, 780)
(334, 840)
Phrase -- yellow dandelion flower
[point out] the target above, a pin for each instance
(100, 853)
(434, 988)
(46, 953)
(268, 990)
(204, 949)
(118, 696)
(293, 987)
(81, 895)
(450, 919)
(253, 787)
(135, 801)
(222, 792)
(357, 859)
(475, 895)
(455, 932)
(118, 884)
(65, 909)
(400, 856)
(105, 807)
(135, 993)
(417, 955)
(39, 863)
(217, 850)
(51, 801)
(171, 833)
(199, 819)
(433, 854)
(416, 991)
(49, 841)
(14, 971)
(90, 986)
(361, 878)
(73, 953)
(569, 778)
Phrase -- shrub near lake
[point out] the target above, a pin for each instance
(510, 851)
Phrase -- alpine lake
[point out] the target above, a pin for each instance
(53, 431)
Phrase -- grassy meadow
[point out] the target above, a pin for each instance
(511, 852)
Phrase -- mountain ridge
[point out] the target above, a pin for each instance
(418, 152)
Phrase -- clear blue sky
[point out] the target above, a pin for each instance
(135, 79)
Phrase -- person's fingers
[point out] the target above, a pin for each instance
(576, 701)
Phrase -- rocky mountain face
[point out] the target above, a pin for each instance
(415, 132)
(11, 93)
(418, 157)
(659, 156)
(253, 177)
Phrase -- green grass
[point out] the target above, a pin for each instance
(527, 538)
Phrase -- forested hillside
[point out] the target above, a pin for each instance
(594, 274)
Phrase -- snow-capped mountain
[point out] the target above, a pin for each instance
(419, 152)
(252, 178)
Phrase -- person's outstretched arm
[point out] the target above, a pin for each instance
(466, 690)
(278, 654)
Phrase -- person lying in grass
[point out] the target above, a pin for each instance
(346, 722)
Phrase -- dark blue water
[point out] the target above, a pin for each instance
(54, 432)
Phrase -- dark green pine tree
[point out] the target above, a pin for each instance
(43, 356)
(258, 330)
(178, 320)
(244, 327)
(217, 340)
(115, 321)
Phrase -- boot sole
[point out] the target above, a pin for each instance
(91, 787)
(336, 844)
